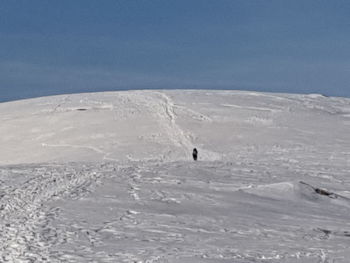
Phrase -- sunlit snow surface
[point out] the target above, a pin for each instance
(108, 177)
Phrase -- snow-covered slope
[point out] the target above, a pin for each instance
(108, 177)
(166, 125)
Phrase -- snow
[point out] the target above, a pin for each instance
(109, 177)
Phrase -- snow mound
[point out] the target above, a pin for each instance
(298, 192)
(278, 191)
(316, 96)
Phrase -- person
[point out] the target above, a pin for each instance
(195, 154)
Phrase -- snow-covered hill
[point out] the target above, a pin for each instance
(108, 177)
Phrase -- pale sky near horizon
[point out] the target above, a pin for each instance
(56, 47)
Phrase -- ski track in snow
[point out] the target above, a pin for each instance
(22, 211)
(164, 109)
(62, 102)
(255, 202)
(175, 132)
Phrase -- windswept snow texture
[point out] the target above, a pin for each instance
(109, 177)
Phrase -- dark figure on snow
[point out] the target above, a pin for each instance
(195, 154)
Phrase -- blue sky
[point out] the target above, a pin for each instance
(68, 46)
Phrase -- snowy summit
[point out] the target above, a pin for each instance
(111, 177)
